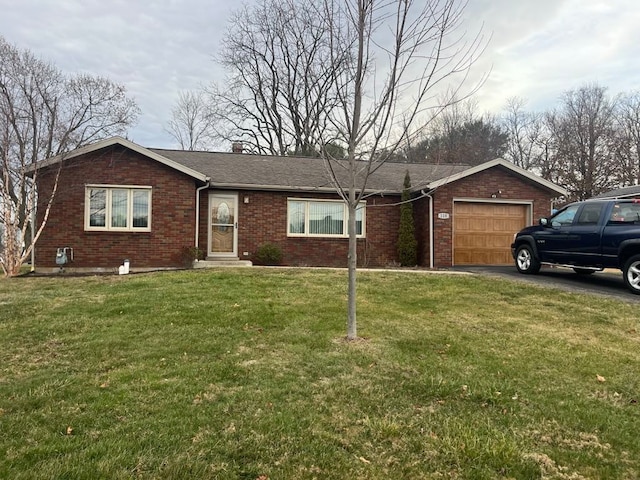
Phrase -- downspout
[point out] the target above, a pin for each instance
(32, 219)
(431, 226)
(33, 236)
(198, 190)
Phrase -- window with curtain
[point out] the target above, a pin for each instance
(322, 218)
(118, 208)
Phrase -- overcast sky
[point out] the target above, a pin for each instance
(155, 48)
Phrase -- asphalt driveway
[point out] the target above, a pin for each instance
(608, 283)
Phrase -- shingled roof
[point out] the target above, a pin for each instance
(624, 192)
(261, 172)
(238, 170)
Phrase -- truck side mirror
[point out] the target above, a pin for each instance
(544, 222)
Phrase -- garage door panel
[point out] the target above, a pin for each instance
(484, 257)
(496, 241)
(505, 225)
(483, 232)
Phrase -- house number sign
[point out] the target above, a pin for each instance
(443, 216)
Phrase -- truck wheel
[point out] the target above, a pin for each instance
(526, 262)
(631, 273)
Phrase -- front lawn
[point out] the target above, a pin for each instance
(244, 374)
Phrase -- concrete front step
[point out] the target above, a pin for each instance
(222, 262)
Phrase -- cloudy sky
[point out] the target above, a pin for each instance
(538, 50)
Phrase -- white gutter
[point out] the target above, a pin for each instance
(198, 190)
(431, 226)
(290, 188)
(431, 235)
(33, 236)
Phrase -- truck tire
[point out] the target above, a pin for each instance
(631, 274)
(526, 261)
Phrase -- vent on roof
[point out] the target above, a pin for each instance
(237, 147)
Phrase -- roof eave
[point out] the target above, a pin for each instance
(127, 144)
(290, 188)
(616, 197)
(494, 163)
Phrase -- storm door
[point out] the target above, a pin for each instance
(223, 225)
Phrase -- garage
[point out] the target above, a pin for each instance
(483, 231)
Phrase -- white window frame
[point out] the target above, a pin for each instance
(345, 218)
(109, 191)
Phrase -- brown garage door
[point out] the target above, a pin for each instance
(483, 232)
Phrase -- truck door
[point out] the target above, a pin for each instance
(574, 236)
(553, 241)
(584, 245)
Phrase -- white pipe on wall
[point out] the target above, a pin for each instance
(198, 190)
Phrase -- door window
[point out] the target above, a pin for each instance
(590, 214)
(565, 217)
(223, 239)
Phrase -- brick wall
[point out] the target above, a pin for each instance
(264, 219)
(172, 213)
(480, 186)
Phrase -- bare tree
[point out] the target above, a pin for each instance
(350, 80)
(280, 85)
(44, 113)
(457, 134)
(629, 150)
(471, 143)
(402, 52)
(438, 140)
(526, 131)
(192, 122)
(583, 131)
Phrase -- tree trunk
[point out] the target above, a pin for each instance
(352, 262)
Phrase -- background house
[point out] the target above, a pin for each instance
(624, 192)
(117, 200)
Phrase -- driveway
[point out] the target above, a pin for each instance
(608, 283)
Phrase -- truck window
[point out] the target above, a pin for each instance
(590, 214)
(564, 217)
(623, 213)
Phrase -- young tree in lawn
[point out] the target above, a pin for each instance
(349, 80)
(44, 113)
(401, 52)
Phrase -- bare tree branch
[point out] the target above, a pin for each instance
(382, 100)
(45, 113)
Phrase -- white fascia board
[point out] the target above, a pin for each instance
(503, 163)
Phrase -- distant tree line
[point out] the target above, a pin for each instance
(589, 143)
(280, 91)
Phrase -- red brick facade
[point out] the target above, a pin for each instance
(261, 217)
(172, 213)
(480, 187)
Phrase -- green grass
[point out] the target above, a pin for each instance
(244, 374)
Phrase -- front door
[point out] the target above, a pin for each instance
(223, 225)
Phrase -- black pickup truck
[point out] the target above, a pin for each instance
(587, 236)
